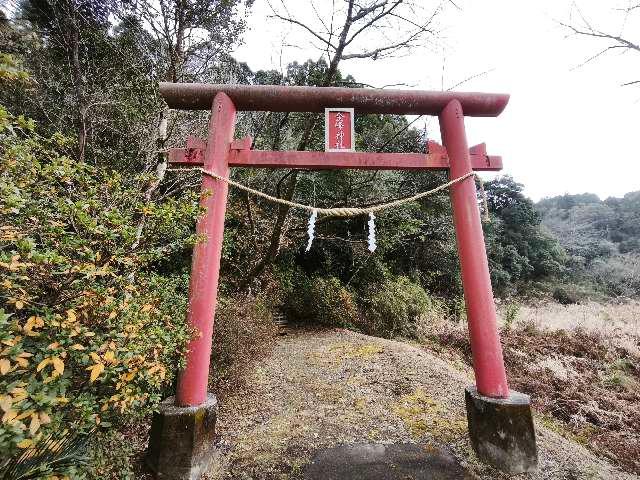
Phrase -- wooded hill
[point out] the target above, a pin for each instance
(601, 238)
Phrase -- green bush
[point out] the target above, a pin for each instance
(393, 307)
(566, 295)
(89, 336)
(319, 300)
(510, 313)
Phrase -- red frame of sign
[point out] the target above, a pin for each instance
(334, 127)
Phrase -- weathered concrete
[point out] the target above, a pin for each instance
(181, 443)
(501, 430)
(398, 461)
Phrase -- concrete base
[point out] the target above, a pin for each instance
(181, 443)
(501, 431)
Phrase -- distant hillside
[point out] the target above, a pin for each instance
(601, 238)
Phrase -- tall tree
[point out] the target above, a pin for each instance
(190, 36)
(519, 249)
(70, 31)
(347, 31)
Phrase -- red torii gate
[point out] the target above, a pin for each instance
(490, 405)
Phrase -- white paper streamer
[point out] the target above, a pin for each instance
(310, 230)
(372, 233)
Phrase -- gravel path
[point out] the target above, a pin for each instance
(321, 389)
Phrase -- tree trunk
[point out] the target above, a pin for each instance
(76, 77)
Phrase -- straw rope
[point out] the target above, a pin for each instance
(344, 211)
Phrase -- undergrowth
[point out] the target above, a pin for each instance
(576, 378)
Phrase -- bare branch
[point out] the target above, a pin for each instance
(307, 28)
(623, 42)
(387, 49)
(373, 20)
(472, 77)
(364, 11)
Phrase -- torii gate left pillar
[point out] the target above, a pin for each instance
(500, 422)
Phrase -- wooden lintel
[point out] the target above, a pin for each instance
(241, 156)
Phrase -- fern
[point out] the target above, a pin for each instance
(50, 457)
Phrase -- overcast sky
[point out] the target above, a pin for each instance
(565, 130)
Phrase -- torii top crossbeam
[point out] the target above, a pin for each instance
(278, 98)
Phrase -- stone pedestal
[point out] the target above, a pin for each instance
(181, 443)
(501, 431)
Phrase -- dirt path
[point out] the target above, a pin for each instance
(321, 389)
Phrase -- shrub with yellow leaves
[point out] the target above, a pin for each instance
(90, 336)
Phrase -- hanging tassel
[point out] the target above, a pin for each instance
(311, 229)
(372, 233)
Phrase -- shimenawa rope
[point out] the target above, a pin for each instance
(345, 211)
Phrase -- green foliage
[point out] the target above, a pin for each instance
(565, 295)
(60, 452)
(11, 69)
(519, 249)
(90, 336)
(320, 300)
(393, 306)
(510, 313)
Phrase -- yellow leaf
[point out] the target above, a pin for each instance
(43, 364)
(146, 307)
(96, 370)
(19, 305)
(25, 355)
(9, 416)
(30, 323)
(112, 315)
(34, 425)
(71, 315)
(77, 346)
(58, 365)
(44, 418)
(95, 357)
(109, 357)
(53, 345)
(23, 362)
(25, 414)
(5, 366)
(26, 443)
(5, 403)
(33, 322)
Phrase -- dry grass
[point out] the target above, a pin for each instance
(615, 323)
(581, 366)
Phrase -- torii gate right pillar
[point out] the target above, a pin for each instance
(500, 422)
